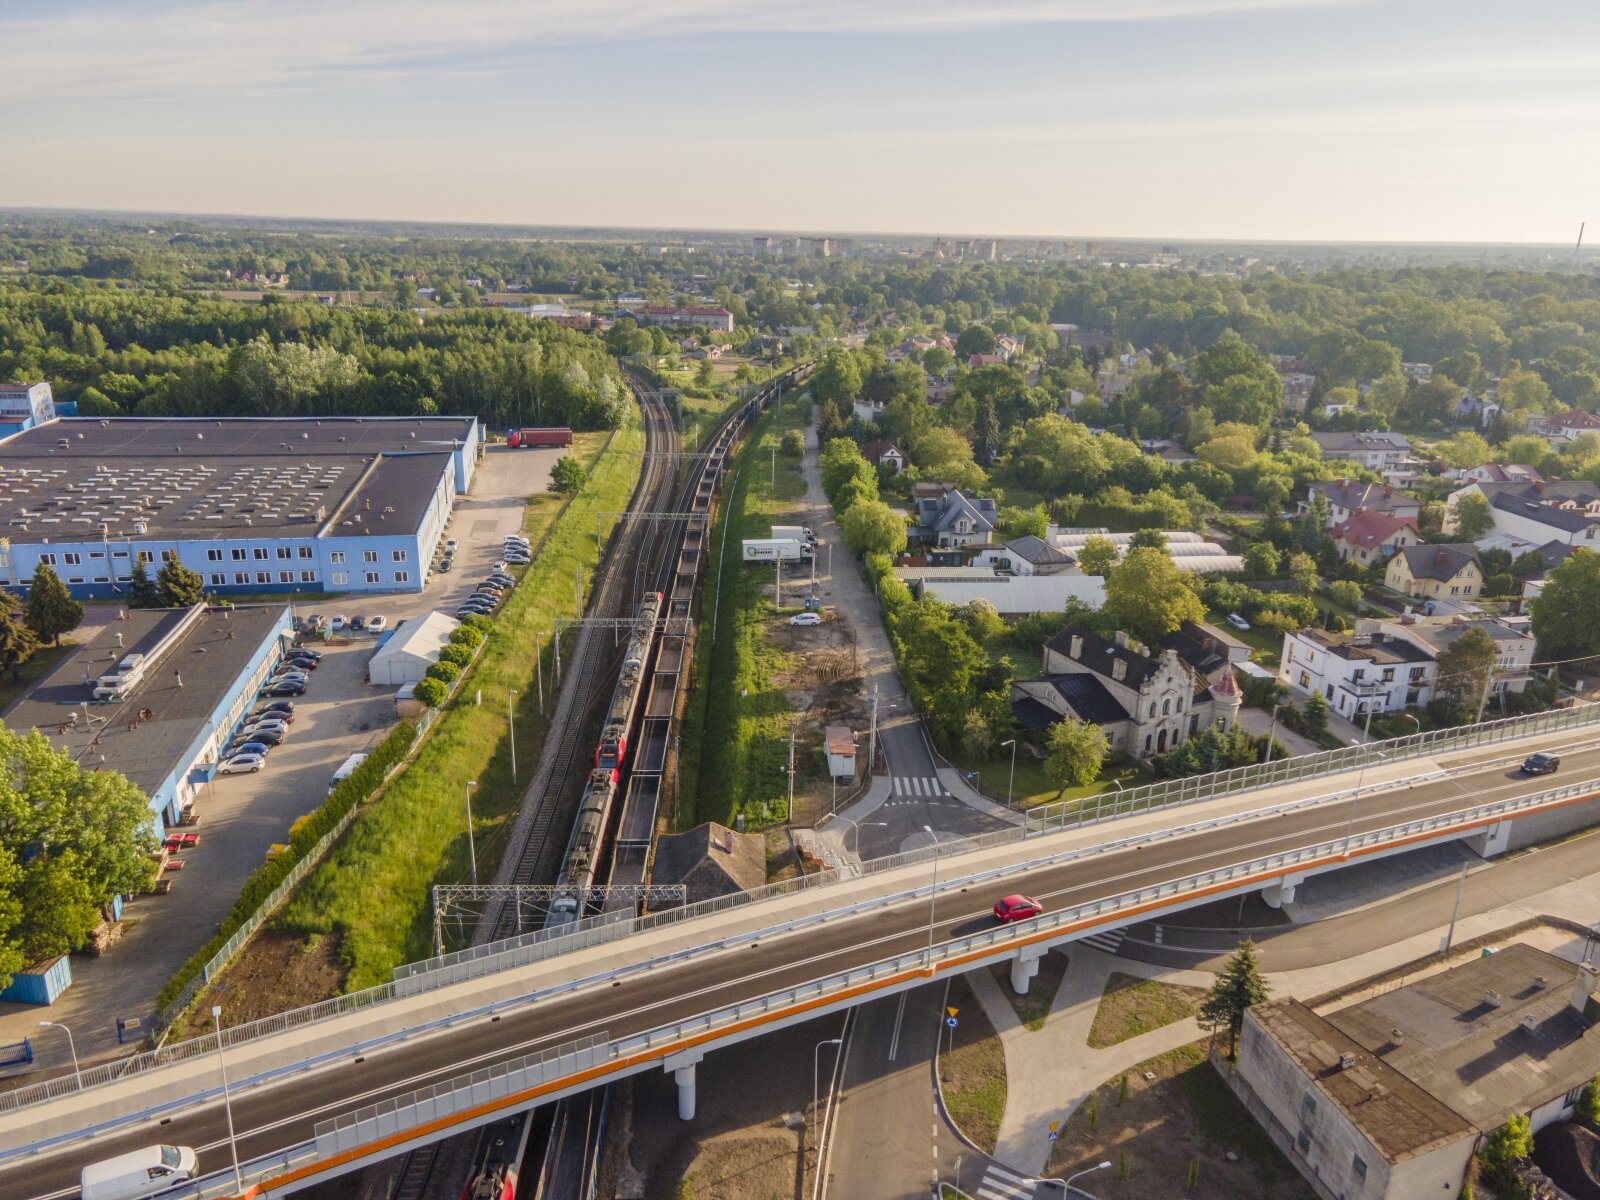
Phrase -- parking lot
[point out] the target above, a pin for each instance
(241, 816)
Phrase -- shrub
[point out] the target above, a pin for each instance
(469, 636)
(430, 692)
(794, 443)
(455, 653)
(445, 671)
(477, 621)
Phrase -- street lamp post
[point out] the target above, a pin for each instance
(1272, 730)
(472, 848)
(1011, 779)
(1355, 798)
(227, 1097)
(816, 1059)
(933, 892)
(851, 821)
(511, 715)
(77, 1072)
(1412, 717)
(1087, 1171)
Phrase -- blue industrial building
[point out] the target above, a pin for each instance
(253, 505)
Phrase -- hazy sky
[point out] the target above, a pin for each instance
(1437, 120)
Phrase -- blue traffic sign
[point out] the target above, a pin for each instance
(951, 1022)
(1054, 1135)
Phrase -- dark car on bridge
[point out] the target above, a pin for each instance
(1541, 764)
(1017, 908)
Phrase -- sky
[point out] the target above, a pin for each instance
(1293, 120)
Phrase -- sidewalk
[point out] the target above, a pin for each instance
(1051, 1072)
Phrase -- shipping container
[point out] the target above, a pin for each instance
(40, 983)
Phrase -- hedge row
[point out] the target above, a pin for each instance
(351, 791)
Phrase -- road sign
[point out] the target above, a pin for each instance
(1054, 1125)
(1054, 1135)
(951, 1022)
(952, 1011)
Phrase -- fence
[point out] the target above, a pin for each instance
(1050, 817)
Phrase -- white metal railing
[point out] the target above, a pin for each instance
(471, 968)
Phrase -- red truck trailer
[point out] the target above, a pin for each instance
(549, 436)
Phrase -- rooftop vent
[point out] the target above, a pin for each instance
(1346, 1061)
(1491, 1000)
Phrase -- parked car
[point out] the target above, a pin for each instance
(301, 662)
(518, 560)
(284, 709)
(474, 610)
(806, 618)
(1541, 763)
(450, 545)
(305, 652)
(266, 736)
(1017, 908)
(444, 565)
(377, 624)
(1238, 622)
(314, 623)
(501, 578)
(265, 725)
(284, 687)
(337, 623)
(357, 624)
(241, 764)
(254, 746)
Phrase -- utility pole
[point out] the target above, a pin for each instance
(790, 816)
(777, 596)
(1483, 700)
(1272, 731)
(1450, 933)
(511, 716)
(538, 661)
(872, 737)
(577, 590)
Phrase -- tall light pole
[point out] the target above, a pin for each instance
(1272, 730)
(472, 848)
(511, 715)
(71, 1045)
(227, 1097)
(1355, 798)
(1011, 779)
(1087, 1171)
(1412, 717)
(933, 892)
(816, 1059)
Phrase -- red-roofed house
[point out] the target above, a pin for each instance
(976, 361)
(1366, 536)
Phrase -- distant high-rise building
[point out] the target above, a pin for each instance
(761, 245)
(817, 247)
(1091, 248)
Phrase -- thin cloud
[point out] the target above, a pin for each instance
(181, 48)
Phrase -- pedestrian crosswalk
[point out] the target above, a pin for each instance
(919, 785)
(999, 1183)
(1109, 941)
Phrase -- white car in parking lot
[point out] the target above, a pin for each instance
(241, 764)
(806, 618)
(377, 624)
(338, 622)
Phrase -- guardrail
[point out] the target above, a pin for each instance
(396, 1116)
(473, 966)
(1050, 817)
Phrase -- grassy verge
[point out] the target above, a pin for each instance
(374, 888)
(1267, 646)
(1032, 788)
(1131, 1006)
(735, 739)
(972, 1072)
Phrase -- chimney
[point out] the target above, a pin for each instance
(1491, 999)
(1121, 638)
(1077, 647)
(1119, 669)
(1530, 1023)
(1397, 1037)
(1588, 976)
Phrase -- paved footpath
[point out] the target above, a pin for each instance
(1050, 1072)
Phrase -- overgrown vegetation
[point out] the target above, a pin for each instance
(373, 889)
(1132, 1006)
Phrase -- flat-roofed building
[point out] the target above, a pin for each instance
(345, 504)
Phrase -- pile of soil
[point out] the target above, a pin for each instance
(273, 974)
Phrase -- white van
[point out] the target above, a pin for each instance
(346, 769)
(147, 1172)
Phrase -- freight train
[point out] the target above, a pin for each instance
(500, 1151)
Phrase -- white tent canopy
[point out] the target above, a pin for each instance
(414, 647)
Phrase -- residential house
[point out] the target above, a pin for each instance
(1387, 1098)
(1297, 387)
(954, 519)
(1376, 451)
(1167, 451)
(1009, 347)
(884, 454)
(1434, 572)
(1026, 555)
(977, 362)
(1420, 371)
(1367, 536)
(1354, 672)
(1560, 430)
(1345, 498)
(1539, 512)
(1115, 375)
(1514, 648)
(711, 316)
(1146, 702)
(1499, 473)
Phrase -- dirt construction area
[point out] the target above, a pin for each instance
(822, 680)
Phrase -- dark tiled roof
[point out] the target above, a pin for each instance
(1568, 520)
(1089, 698)
(1363, 495)
(1441, 563)
(1032, 715)
(1098, 654)
(1036, 550)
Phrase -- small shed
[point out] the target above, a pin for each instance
(40, 983)
(840, 743)
(711, 860)
(406, 657)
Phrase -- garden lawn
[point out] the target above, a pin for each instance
(736, 733)
(374, 889)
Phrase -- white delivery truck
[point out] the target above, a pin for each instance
(346, 769)
(794, 533)
(147, 1172)
(774, 549)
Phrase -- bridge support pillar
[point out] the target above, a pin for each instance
(1280, 893)
(1493, 840)
(1024, 967)
(682, 1067)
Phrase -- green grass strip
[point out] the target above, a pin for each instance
(374, 889)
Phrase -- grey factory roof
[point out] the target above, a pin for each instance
(208, 658)
(1395, 1113)
(198, 479)
(1486, 1056)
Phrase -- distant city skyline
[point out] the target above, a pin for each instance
(1244, 120)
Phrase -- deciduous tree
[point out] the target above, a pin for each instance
(1150, 597)
(1097, 556)
(872, 527)
(1473, 517)
(1566, 614)
(1074, 753)
(567, 475)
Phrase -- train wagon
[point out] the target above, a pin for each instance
(536, 437)
(613, 748)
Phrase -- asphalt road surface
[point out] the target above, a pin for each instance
(270, 1118)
